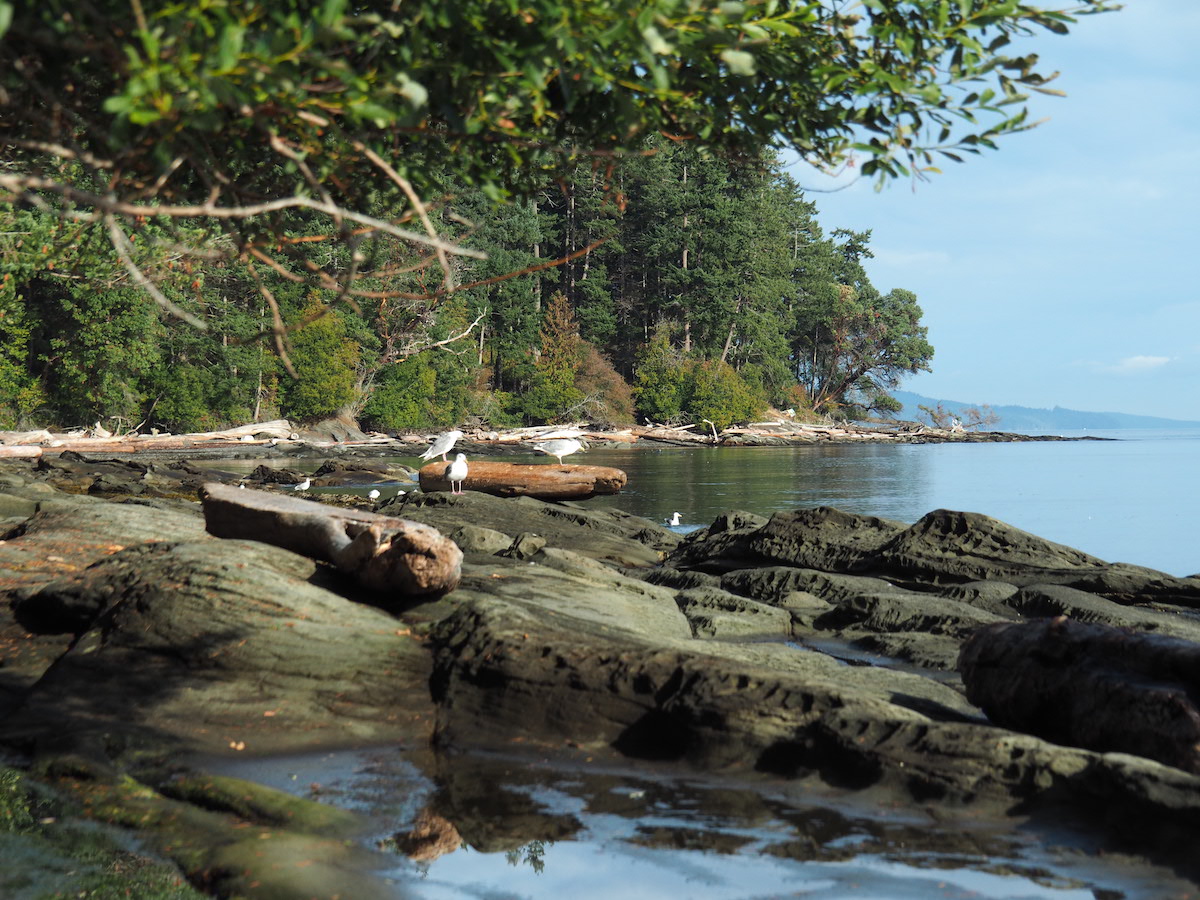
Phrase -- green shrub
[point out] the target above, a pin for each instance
(660, 379)
(402, 398)
(719, 395)
(326, 361)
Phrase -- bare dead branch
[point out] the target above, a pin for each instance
(546, 265)
(61, 152)
(123, 248)
(278, 329)
(414, 349)
(281, 147)
(163, 178)
(417, 205)
(25, 186)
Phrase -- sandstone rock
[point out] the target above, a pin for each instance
(474, 539)
(1090, 686)
(713, 613)
(821, 538)
(815, 644)
(206, 642)
(606, 534)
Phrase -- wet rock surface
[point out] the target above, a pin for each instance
(815, 645)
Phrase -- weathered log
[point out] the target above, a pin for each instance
(383, 553)
(13, 438)
(549, 481)
(1091, 686)
(20, 451)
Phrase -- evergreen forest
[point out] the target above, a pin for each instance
(675, 286)
(423, 214)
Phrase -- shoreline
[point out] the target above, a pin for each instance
(281, 436)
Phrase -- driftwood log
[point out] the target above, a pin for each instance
(1091, 686)
(548, 481)
(383, 553)
(20, 451)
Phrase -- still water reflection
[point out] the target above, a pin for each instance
(520, 827)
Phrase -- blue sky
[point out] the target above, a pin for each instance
(1060, 269)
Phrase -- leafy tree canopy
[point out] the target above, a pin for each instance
(246, 119)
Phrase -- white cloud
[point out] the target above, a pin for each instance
(1132, 365)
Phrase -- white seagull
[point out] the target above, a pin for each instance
(457, 473)
(561, 448)
(373, 494)
(442, 445)
(303, 486)
(674, 519)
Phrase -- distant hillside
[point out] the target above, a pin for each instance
(1028, 420)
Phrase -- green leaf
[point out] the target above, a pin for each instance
(655, 41)
(6, 15)
(118, 105)
(144, 116)
(331, 12)
(230, 48)
(739, 61)
(412, 91)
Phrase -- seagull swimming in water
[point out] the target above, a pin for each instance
(303, 486)
(674, 519)
(442, 445)
(456, 472)
(561, 448)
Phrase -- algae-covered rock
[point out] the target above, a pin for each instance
(230, 839)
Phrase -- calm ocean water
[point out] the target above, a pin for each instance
(1132, 499)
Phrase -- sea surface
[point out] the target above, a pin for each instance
(1130, 498)
(534, 827)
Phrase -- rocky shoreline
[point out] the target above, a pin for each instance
(281, 439)
(815, 646)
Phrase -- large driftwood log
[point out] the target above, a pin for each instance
(1090, 686)
(20, 451)
(548, 481)
(383, 553)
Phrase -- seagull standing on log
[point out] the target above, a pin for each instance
(456, 472)
(561, 448)
(442, 445)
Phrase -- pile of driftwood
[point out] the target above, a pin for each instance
(33, 444)
(36, 443)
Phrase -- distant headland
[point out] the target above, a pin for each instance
(1029, 420)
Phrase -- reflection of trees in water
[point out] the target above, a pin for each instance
(532, 854)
